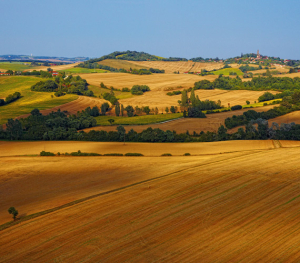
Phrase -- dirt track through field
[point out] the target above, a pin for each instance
(222, 208)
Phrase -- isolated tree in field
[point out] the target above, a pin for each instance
(117, 109)
(248, 102)
(13, 212)
(111, 121)
(167, 110)
(156, 110)
(130, 111)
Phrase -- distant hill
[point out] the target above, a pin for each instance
(134, 56)
(41, 58)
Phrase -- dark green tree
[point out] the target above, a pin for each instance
(130, 111)
(13, 212)
(117, 109)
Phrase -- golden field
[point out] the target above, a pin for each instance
(181, 66)
(233, 207)
(154, 81)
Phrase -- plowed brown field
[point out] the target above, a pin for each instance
(211, 123)
(235, 207)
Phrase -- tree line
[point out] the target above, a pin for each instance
(10, 98)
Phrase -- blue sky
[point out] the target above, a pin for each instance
(206, 28)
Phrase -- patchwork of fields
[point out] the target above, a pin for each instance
(234, 207)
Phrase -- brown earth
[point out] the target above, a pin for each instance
(211, 123)
(235, 207)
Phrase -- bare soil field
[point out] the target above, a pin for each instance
(211, 123)
(235, 207)
(181, 66)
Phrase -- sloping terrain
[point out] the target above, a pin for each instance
(211, 123)
(236, 207)
(181, 66)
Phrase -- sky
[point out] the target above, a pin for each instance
(167, 28)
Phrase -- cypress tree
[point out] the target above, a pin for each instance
(122, 110)
(184, 98)
(117, 109)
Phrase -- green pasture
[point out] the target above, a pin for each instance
(137, 120)
(15, 66)
(226, 71)
(29, 100)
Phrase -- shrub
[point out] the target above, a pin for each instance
(236, 107)
(187, 154)
(166, 154)
(113, 154)
(133, 154)
(43, 153)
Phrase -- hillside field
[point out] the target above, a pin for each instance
(16, 66)
(211, 123)
(240, 206)
(29, 100)
(181, 66)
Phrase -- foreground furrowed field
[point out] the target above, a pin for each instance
(234, 207)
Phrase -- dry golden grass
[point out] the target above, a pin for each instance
(56, 68)
(235, 207)
(118, 63)
(160, 99)
(155, 81)
(211, 123)
(74, 106)
(288, 118)
(181, 66)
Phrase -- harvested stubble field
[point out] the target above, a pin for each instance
(235, 207)
(57, 68)
(154, 81)
(211, 123)
(181, 66)
(81, 103)
(160, 99)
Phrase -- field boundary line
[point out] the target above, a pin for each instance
(81, 200)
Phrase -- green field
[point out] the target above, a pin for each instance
(29, 100)
(137, 120)
(226, 71)
(119, 94)
(15, 66)
(83, 70)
